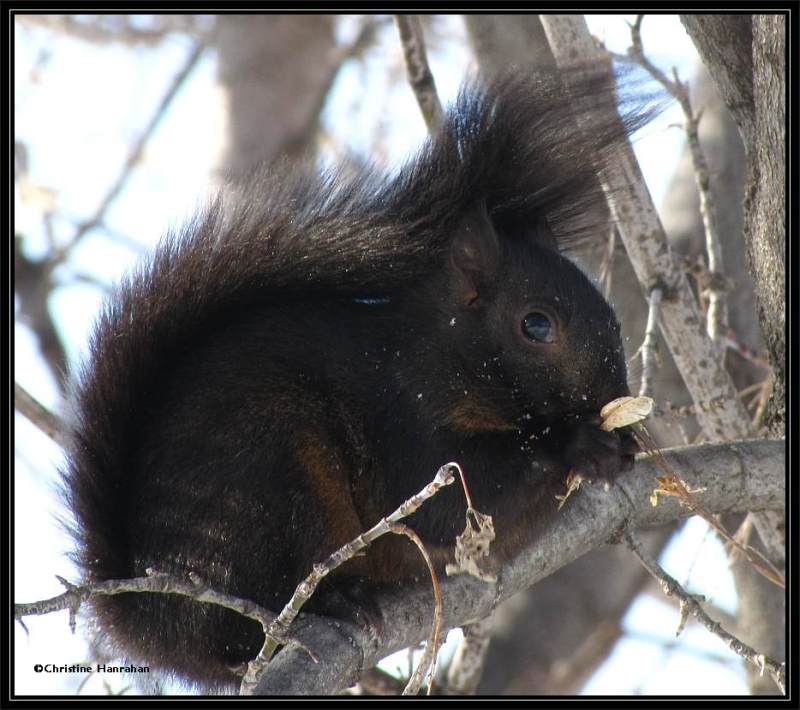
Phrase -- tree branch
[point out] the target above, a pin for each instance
(648, 348)
(720, 413)
(716, 283)
(466, 668)
(278, 630)
(49, 423)
(327, 655)
(419, 73)
(690, 604)
(746, 475)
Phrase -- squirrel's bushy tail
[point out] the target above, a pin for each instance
(512, 146)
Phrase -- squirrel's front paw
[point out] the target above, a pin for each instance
(600, 455)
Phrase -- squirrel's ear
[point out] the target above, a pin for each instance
(474, 256)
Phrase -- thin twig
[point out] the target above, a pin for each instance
(275, 628)
(690, 604)
(47, 422)
(365, 36)
(751, 390)
(466, 668)
(606, 270)
(716, 286)
(746, 353)
(648, 349)
(192, 587)
(428, 660)
(699, 272)
(277, 633)
(417, 69)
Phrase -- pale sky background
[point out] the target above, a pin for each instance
(78, 114)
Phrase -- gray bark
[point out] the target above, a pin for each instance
(274, 70)
(746, 57)
(501, 42)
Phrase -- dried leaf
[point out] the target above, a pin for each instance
(625, 411)
(676, 487)
(574, 481)
(473, 544)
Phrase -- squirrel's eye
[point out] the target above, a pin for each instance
(538, 327)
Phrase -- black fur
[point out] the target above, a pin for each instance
(307, 352)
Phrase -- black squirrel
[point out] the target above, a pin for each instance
(306, 353)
